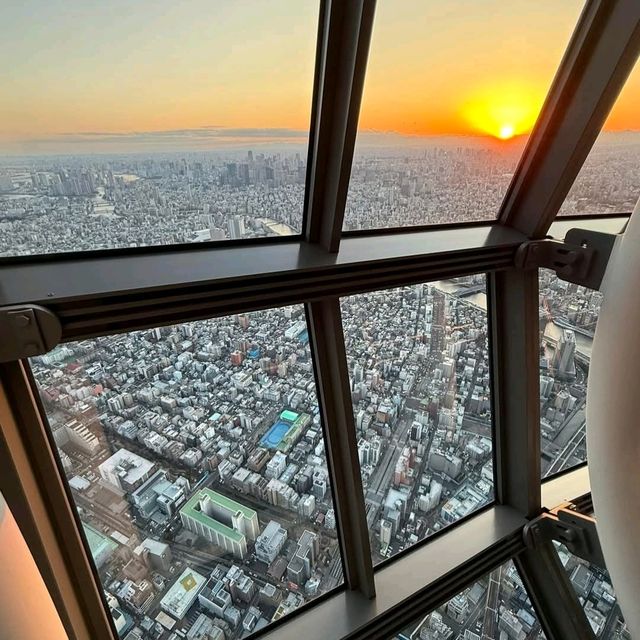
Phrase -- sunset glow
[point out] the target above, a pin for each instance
(506, 131)
(211, 74)
(503, 110)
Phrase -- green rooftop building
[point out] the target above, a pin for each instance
(221, 520)
(100, 545)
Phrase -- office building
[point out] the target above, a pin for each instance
(126, 470)
(222, 521)
(183, 593)
(303, 561)
(270, 542)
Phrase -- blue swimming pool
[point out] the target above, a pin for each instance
(274, 436)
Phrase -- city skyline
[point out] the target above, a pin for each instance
(58, 204)
(132, 81)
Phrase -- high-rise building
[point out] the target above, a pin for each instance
(270, 542)
(126, 470)
(386, 531)
(438, 322)
(235, 227)
(303, 561)
(220, 520)
(565, 354)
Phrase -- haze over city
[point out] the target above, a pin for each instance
(205, 75)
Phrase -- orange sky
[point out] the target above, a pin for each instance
(469, 67)
(457, 67)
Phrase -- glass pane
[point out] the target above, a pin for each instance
(451, 94)
(419, 365)
(595, 592)
(609, 181)
(155, 126)
(494, 608)
(568, 316)
(195, 456)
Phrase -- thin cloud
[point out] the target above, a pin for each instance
(208, 132)
(206, 138)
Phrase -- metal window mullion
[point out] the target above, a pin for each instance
(513, 319)
(552, 593)
(343, 44)
(34, 490)
(334, 397)
(599, 58)
(100, 296)
(514, 327)
(437, 594)
(413, 584)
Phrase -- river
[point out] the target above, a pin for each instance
(583, 343)
(449, 286)
(278, 228)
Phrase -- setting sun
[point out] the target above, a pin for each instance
(503, 110)
(506, 131)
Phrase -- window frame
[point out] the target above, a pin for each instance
(314, 269)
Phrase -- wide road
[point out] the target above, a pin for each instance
(490, 621)
(568, 452)
(565, 441)
(381, 478)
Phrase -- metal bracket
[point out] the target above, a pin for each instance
(27, 330)
(582, 258)
(576, 531)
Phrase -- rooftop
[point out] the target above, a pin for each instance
(131, 466)
(98, 543)
(182, 593)
(192, 509)
(289, 416)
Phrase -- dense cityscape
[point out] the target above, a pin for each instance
(196, 459)
(568, 316)
(418, 359)
(495, 607)
(435, 185)
(54, 204)
(74, 204)
(195, 453)
(195, 456)
(609, 180)
(592, 585)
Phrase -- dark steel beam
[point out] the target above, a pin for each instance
(575, 530)
(513, 318)
(343, 45)
(35, 492)
(101, 295)
(414, 584)
(552, 593)
(600, 56)
(334, 393)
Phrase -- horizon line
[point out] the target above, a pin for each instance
(213, 138)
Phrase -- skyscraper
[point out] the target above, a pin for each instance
(438, 323)
(235, 227)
